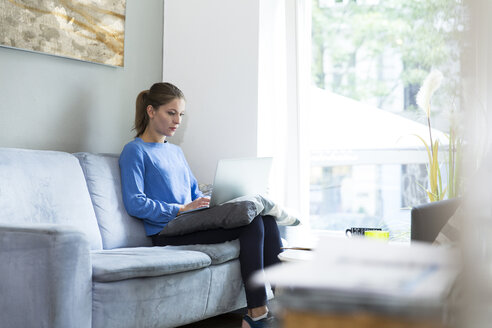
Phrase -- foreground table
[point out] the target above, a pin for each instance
(364, 284)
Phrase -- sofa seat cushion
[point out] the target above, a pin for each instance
(138, 262)
(219, 253)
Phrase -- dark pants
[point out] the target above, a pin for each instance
(260, 244)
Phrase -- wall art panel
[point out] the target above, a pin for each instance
(88, 30)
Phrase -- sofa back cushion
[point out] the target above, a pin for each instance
(118, 229)
(38, 186)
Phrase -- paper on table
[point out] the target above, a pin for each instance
(361, 267)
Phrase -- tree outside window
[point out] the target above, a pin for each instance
(380, 51)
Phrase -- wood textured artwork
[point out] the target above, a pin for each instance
(88, 30)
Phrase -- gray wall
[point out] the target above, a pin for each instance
(49, 102)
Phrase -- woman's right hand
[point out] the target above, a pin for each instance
(197, 203)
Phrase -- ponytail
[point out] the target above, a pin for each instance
(141, 116)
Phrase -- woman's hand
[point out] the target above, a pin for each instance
(197, 203)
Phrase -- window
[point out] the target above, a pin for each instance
(368, 61)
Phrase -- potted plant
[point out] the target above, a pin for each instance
(436, 191)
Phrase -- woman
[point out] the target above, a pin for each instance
(158, 185)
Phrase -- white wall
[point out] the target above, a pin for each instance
(211, 54)
(235, 61)
(49, 102)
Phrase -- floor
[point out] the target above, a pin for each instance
(229, 320)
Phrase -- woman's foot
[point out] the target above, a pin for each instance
(265, 322)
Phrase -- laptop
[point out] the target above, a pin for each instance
(239, 177)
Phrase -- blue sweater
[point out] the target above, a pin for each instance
(155, 180)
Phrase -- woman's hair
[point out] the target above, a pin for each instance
(159, 94)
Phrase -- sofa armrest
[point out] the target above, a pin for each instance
(428, 219)
(45, 277)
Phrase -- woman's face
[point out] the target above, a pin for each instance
(166, 118)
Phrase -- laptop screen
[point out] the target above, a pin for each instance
(240, 177)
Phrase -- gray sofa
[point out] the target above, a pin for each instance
(70, 256)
